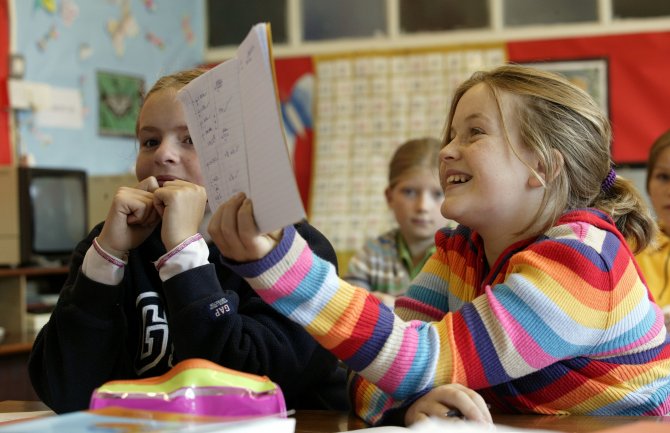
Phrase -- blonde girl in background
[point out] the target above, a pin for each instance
(533, 303)
(655, 260)
(386, 264)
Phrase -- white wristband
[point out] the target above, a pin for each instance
(102, 267)
(189, 254)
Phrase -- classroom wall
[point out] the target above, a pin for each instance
(368, 102)
(65, 45)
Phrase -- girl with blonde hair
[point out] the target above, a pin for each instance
(532, 304)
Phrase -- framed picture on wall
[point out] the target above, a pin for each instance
(119, 99)
(589, 74)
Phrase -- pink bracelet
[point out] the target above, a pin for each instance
(186, 242)
(105, 255)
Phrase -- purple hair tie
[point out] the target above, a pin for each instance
(609, 180)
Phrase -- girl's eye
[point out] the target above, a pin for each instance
(438, 194)
(409, 192)
(664, 177)
(476, 131)
(151, 142)
(187, 140)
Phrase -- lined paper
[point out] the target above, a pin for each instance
(233, 116)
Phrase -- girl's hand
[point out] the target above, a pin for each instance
(131, 218)
(234, 231)
(666, 317)
(181, 204)
(444, 398)
(385, 298)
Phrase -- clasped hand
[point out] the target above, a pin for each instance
(136, 211)
(234, 231)
(441, 400)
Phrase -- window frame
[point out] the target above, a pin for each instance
(496, 32)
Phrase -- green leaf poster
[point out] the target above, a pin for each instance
(119, 99)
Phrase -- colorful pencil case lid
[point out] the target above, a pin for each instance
(197, 387)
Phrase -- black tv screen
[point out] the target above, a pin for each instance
(54, 213)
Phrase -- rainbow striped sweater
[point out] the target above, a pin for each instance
(562, 323)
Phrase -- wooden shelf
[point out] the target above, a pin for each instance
(32, 271)
(14, 343)
(13, 304)
(14, 380)
(15, 348)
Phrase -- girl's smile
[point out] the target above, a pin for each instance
(456, 178)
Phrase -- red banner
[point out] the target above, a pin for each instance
(5, 140)
(295, 84)
(638, 91)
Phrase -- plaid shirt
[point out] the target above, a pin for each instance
(384, 264)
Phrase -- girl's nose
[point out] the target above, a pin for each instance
(422, 202)
(425, 200)
(167, 152)
(449, 151)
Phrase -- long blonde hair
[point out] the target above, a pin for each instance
(554, 116)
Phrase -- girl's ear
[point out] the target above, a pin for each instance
(541, 176)
(388, 194)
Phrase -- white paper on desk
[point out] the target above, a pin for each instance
(12, 416)
(232, 113)
(440, 425)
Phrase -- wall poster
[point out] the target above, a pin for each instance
(591, 75)
(119, 100)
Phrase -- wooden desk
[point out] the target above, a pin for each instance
(312, 421)
(574, 423)
(315, 421)
(21, 406)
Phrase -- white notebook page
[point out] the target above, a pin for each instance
(233, 116)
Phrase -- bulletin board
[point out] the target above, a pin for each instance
(65, 44)
(366, 105)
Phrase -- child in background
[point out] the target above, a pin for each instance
(146, 291)
(534, 300)
(386, 264)
(654, 261)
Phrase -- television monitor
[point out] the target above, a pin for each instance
(53, 213)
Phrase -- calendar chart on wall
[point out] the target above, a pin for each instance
(366, 105)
